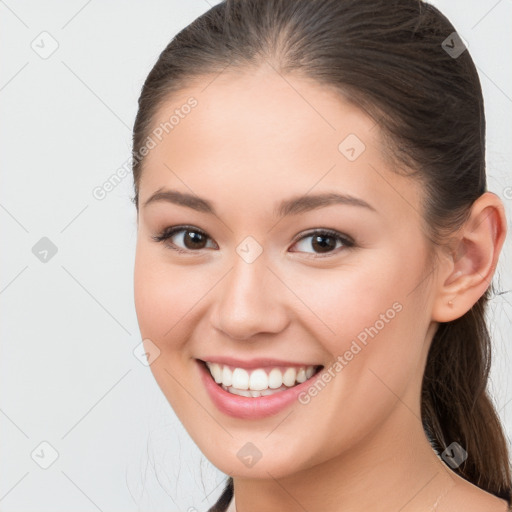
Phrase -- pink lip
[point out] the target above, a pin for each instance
(254, 363)
(247, 407)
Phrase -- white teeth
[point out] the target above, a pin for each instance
(240, 392)
(216, 372)
(289, 377)
(275, 379)
(240, 379)
(226, 376)
(301, 375)
(253, 394)
(258, 382)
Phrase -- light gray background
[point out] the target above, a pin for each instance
(68, 327)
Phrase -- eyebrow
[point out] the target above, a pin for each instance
(292, 206)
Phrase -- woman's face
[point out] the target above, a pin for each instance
(255, 288)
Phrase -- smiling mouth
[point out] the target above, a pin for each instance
(257, 382)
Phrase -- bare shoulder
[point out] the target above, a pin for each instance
(466, 497)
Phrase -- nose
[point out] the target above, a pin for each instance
(250, 300)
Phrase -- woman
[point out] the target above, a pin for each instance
(315, 249)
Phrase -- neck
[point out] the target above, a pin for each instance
(393, 469)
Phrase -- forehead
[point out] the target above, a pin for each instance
(269, 136)
(263, 115)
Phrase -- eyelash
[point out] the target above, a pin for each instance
(168, 232)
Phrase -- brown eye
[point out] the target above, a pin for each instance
(323, 242)
(194, 240)
(185, 238)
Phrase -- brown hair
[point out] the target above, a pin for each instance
(388, 57)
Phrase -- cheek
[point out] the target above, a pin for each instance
(162, 301)
(151, 289)
(345, 302)
(164, 295)
(368, 319)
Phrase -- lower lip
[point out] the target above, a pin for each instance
(251, 408)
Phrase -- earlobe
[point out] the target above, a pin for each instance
(468, 272)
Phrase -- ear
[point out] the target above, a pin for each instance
(465, 275)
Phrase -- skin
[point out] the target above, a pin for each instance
(253, 140)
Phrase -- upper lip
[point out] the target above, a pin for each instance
(259, 362)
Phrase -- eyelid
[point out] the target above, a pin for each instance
(346, 241)
(335, 234)
(170, 231)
